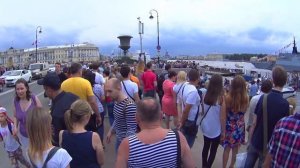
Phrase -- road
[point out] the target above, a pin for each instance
(6, 100)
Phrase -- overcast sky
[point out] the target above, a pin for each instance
(190, 27)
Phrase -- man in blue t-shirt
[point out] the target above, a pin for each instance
(277, 108)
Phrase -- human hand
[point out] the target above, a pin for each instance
(108, 136)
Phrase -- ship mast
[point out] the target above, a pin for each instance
(294, 47)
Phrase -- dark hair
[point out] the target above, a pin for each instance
(172, 74)
(214, 90)
(168, 67)
(266, 86)
(75, 68)
(57, 63)
(106, 72)
(148, 109)
(90, 76)
(28, 93)
(94, 66)
(149, 65)
(124, 71)
(193, 75)
(279, 76)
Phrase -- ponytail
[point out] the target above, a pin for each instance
(68, 119)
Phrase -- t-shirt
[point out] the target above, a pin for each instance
(190, 96)
(135, 80)
(177, 88)
(78, 86)
(60, 104)
(60, 159)
(251, 108)
(131, 88)
(148, 79)
(10, 144)
(277, 108)
(99, 78)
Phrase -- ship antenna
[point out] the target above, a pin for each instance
(294, 47)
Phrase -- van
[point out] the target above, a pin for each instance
(39, 70)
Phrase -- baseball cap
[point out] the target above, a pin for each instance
(51, 79)
(2, 110)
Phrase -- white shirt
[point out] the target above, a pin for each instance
(177, 88)
(99, 78)
(10, 144)
(251, 108)
(190, 96)
(211, 124)
(131, 88)
(61, 159)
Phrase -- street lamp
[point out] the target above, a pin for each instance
(38, 30)
(158, 46)
(141, 32)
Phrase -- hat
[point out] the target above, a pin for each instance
(2, 110)
(51, 79)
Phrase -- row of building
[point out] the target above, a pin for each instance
(83, 52)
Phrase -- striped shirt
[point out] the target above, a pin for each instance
(160, 154)
(125, 123)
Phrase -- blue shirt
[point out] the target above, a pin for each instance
(277, 108)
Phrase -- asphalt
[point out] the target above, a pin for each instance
(6, 100)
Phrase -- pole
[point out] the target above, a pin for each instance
(158, 45)
(36, 33)
(141, 31)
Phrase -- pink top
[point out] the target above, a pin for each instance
(168, 102)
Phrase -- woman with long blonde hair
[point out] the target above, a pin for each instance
(233, 124)
(181, 80)
(85, 147)
(38, 124)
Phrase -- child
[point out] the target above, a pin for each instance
(11, 142)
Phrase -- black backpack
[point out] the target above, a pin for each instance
(160, 80)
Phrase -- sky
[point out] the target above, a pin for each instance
(187, 27)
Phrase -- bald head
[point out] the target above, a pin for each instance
(148, 110)
(114, 82)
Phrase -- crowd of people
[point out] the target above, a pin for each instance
(140, 105)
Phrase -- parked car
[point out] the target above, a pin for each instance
(39, 70)
(12, 78)
(288, 92)
(6, 73)
(51, 68)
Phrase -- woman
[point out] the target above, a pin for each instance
(40, 146)
(181, 81)
(85, 147)
(23, 103)
(213, 107)
(233, 124)
(169, 99)
(99, 94)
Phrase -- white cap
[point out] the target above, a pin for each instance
(2, 110)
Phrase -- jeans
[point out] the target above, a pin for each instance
(100, 129)
(210, 145)
(150, 93)
(110, 112)
(252, 155)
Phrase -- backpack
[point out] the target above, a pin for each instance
(160, 80)
(49, 156)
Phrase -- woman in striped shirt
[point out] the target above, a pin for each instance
(154, 146)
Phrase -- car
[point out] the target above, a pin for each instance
(51, 68)
(12, 78)
(288, 92)
(39, 70)
(2, 78)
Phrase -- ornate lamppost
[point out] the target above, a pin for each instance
(38, 30)
(158, 46)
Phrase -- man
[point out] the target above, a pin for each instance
(99, 78)
(59, 72)
(81, 88)
(61, 102)
(149, 82)
(191, 106)
(154, 146)
(284, 145)
(276, 108)
(253, 89)
(266, 87)
(128, 87)
(124, 112)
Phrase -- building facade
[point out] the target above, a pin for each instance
(84, 52)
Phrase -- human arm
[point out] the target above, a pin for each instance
(267, 162)
(92, 101)
(110, 133)
(16, 122)
(186, 154)
(123, 154)
(97, 145)
(185, 113)
(223, 117)
(60, 139)
(136, 93)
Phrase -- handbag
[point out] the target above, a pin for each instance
(203, 118)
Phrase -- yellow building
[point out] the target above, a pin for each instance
(84, 52)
